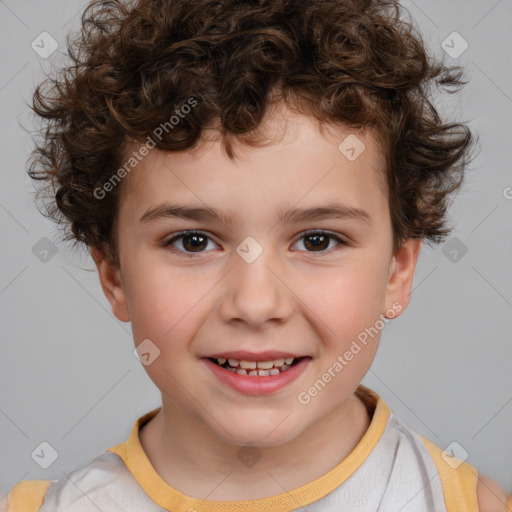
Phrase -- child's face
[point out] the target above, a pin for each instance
(303, 296)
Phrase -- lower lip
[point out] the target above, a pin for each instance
(254, 384)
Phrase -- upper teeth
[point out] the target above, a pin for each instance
(251, 365)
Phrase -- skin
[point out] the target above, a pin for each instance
(288, 299)
(491, 497)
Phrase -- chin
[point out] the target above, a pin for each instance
(258, 431)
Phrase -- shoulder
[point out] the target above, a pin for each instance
(97, 477)
(465, 479)
(25, 496)
(458, 478)
(491, 497)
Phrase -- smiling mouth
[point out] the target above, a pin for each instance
(256, 368)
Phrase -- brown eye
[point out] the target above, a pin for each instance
(194, 242)
(190, 242)
(319, 241)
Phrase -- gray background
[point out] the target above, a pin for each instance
(68, 374)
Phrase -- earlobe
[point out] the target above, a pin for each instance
(112, 285)
(401, 274)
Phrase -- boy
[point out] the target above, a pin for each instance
(254, 181)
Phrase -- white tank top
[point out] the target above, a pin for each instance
(392, 469)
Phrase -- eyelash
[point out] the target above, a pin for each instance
(305, 234)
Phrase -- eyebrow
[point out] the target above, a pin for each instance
(294, 215)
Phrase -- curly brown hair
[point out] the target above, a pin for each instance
(360, 63)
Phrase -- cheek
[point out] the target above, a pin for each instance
(165, 312)
(346, 301)
(163, 305)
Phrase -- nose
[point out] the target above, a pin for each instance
(256, 293)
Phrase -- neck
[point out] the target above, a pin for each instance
(193, 460)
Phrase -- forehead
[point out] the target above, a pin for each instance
(302, 163)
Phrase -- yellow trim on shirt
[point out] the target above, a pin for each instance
(28, 495)
(509, 503)
(136, 460)
(459, 483)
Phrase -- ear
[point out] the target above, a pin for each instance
(401, 274)
(112, 285)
